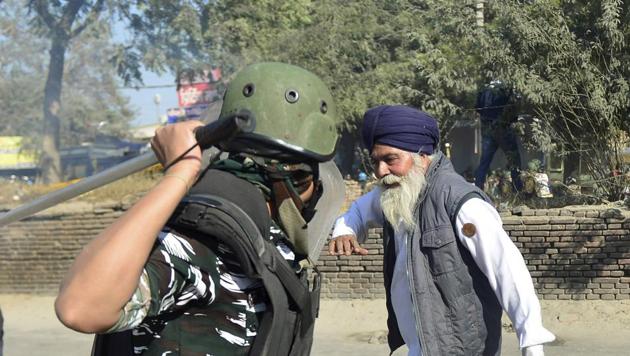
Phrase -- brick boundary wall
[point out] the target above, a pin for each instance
(572, 253)
(36, 253)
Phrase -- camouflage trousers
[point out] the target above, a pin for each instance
(493, 137)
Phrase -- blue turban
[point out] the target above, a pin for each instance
(401, 127)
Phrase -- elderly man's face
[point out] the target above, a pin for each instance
(391, 160)
(402, 176)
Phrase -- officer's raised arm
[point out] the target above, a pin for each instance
(106, 272)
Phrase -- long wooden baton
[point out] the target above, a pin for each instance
(207, 136)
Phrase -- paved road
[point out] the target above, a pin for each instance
(349, 328)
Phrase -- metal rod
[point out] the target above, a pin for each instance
(83, 186)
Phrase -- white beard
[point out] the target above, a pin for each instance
(401, 195)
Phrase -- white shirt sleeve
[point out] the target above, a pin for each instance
(502, 263)
(364, 213)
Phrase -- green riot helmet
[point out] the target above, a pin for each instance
(294, 112)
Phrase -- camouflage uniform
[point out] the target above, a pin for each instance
(505, 138)
(497, 115)
(193, 299)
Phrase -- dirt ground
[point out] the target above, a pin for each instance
(354, 328)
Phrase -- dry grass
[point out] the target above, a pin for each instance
(15, 194)
(133, 185)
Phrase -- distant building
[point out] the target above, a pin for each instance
(196, 91)
(144, 132)
(105, 152)
(16, 161)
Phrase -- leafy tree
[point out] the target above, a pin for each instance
(569, 59)
(164, 36)
(100, 107)
(91, 92)
(21, 67)
(369, 52)
(76, 34)
(60, 22)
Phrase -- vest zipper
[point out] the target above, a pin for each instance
(414, 302)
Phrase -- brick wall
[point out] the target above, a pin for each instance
(572, 253)
(36, 253)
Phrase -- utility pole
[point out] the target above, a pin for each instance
(479, 12)
(480, 22)
(157, 99)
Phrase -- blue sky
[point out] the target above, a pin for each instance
(142, 100)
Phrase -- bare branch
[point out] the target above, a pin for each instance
(95, 12)
(41, 7)
(70, 12)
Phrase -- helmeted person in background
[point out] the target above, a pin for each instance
(493, 104)
(449, 266)
(169, 278)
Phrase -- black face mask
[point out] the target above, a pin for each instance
(308, 211)
(301, 181)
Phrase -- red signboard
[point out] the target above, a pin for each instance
(195, 94)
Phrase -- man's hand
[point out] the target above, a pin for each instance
(171, 141)
(345, 245)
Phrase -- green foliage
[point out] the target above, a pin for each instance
(164, 36)
(92, 101)
(21, 66)
(369, 52)
(569, 60)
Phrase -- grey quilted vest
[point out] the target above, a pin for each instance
(456, 311)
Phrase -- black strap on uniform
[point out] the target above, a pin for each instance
(118, 344)
(259, 259)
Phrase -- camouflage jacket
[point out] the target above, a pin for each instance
(193, 299)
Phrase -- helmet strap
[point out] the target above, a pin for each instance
(285, 184)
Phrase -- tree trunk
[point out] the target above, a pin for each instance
(50, 162)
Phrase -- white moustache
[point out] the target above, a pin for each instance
(391, 179)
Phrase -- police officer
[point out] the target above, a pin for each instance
(497, 132)
(185, 293)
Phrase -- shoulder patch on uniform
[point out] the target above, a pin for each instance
(469, 229)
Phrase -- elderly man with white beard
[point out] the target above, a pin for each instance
(449, 267)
